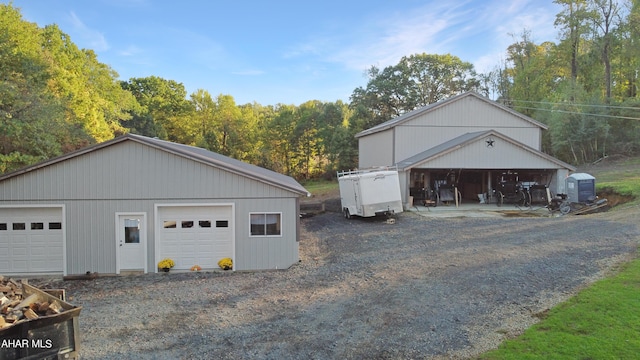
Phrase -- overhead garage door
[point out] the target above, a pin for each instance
(195, 235)
(31, 240)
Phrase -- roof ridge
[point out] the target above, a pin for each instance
(193, 152)
(430, 107)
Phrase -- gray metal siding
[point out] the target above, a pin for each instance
(273, 252)
(131, 177)
(376, 149)
(130, 170)
(503, 155)
(455, 119)
(91, 239)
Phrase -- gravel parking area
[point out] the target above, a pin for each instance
(420, 288)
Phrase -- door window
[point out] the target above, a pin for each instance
(132, 231)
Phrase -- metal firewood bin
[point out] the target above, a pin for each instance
(47, 337)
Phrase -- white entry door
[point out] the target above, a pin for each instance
(131, 242)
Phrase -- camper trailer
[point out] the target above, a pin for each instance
(369, 193)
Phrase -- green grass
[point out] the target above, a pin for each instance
(624, 179)
(600, 322)
(321, 187)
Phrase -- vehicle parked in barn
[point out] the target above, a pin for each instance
(368, 193)
(510, 190)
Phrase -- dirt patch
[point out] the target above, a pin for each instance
(614, 198)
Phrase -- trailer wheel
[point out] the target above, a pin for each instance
(347, 214)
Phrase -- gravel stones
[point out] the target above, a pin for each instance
(419, 288)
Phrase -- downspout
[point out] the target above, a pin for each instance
(393, 146)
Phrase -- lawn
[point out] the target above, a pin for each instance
(624, 178)
(322, 189)
(600, 322)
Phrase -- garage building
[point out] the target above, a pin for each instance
(468, 141)
(125, 204)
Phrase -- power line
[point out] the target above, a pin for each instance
(581, 113)
(574, 104)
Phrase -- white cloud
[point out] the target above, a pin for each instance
(478, 32)
(383, 39)
(92, 39)
(506, 24)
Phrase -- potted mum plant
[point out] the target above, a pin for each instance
(225, 264)
(166, 264)
(196, 268)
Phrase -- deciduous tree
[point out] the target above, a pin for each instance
(417, 80)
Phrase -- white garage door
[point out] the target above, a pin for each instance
(31, 240)
(195, 235)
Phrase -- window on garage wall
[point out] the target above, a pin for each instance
(266, 224)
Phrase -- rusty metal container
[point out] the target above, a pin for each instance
(46, 337)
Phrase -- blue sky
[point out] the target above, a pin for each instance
(288, 51)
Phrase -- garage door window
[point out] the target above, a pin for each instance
(55, 226)
(37, 226)
(187, 224)
(3, 226)
(222, 223)
(265, 224)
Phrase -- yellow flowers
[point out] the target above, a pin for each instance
(166, 263)
(225, 264)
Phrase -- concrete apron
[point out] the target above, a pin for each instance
(479, 210)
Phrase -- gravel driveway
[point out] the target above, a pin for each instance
(420, 288)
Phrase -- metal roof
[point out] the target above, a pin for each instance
(415, 113)
(191, 152)
(582, 176)
(463, 140)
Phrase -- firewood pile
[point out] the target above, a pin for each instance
(15, 306)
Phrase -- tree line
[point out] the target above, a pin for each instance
(56, 98)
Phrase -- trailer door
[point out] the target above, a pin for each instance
(357, 192)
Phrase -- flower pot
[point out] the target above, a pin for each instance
(166, 269)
